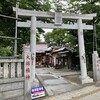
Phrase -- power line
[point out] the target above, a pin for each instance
(7, 37)
(9, 17)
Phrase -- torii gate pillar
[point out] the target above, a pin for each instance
(84, 77)
(33, 46)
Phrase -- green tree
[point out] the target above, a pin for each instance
(7, 26)
(83, 7)
(60, 37)
(88, 7)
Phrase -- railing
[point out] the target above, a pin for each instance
(11, 68)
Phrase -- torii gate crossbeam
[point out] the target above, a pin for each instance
(51, 26)
(78, 26)
(29, 13)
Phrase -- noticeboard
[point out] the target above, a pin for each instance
(37, 92)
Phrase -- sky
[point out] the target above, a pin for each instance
(46, 30)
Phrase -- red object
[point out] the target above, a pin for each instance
(27, 76)
(27, 69)
(27, 57)
(50, 61)
(27, 63)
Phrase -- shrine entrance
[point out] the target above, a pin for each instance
(58, 23)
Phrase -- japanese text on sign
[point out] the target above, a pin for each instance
(37, 92)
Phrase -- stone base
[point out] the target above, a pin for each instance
(86, 80)
(35, 83)
(28, 96)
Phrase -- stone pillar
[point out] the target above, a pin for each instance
(96, 66)
(34, 81)
(12, 70)
(6, 70)
(33, 45)
(1, 71)
(19, 70)
(84, 77)
(27, 71)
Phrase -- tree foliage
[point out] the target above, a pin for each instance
(7, 26)
(60, 38)
(57, 36)
(90, 37)
(81, 7)
(88, 7)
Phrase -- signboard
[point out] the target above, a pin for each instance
(37, 92)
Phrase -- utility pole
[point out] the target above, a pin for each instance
(15, 46)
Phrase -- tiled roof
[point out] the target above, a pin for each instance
(71, 49)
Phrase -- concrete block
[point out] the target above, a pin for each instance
(86, 80)
(11, 86)
(11, 94)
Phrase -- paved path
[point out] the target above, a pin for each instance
(54, 84)
(65, 88)
(62, 72)
(87, 93)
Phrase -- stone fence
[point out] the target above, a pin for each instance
(11, 68)
(12, 79)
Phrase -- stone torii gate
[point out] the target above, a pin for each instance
(58, 17)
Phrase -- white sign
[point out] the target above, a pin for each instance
(37, 92)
